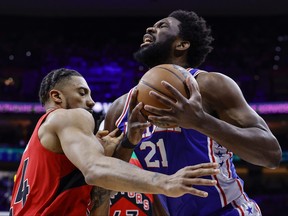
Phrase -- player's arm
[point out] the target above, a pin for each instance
(240, 128)
(237, 126)
(100, 201)
(137, 124)
(113, 113)
(74, 129)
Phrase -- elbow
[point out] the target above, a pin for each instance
(95, 175)
(275, 156)
(91, 177)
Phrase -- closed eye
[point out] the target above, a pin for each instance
(83, 91)
(161, 25)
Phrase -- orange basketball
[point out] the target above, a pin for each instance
(151, 80)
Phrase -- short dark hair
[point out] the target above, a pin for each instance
(193, 28)
(51, 79)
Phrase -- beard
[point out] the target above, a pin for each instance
(155, 54)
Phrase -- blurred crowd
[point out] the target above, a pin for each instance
(252, 50)
(249, 50)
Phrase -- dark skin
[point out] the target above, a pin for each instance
(218, 111)
(136, 126)
(238, 125)
(69, 130)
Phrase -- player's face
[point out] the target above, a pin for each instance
(157, 46)
(77, 94)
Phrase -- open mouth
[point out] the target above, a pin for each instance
(147, 39)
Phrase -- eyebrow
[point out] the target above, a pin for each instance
(160, 22)
(83, 88)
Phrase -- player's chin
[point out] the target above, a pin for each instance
(90, 110)
(145, 45)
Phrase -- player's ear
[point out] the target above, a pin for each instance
(182, 45)
(55, 95)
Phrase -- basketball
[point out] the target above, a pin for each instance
(151, 80)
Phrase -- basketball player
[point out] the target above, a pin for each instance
(63, 158)
(214, 122)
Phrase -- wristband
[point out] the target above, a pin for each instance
(125, 143)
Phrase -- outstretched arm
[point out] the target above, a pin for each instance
(236, 126)
(82, 148)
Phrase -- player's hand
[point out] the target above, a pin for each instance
(184, 180)
(186, 113)
(137, 123)
(109, 141)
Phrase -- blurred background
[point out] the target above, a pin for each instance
(98, 38)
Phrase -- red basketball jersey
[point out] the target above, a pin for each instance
(131, 203)
(47, 183)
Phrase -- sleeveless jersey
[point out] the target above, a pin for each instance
(47, 183)
(166, 150)
(131, 203)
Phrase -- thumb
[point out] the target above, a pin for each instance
(114, 132)
(101, 133)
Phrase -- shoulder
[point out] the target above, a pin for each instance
(223, 98)
(119, 103)
(215, 80)
(114, 112)
(61, 121)
(219, 91)
(215, 83)
(77, 117)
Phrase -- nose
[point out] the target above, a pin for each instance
(90, 103)
(150, 30)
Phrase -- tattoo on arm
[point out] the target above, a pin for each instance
(99, 196)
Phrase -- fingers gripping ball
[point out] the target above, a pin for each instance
(151, 80)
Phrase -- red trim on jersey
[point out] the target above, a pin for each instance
(126, 106)
(239, 207)
(217, 185)
(228, 168)
(241, 188)
(211, 150)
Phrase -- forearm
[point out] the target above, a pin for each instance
(253, 144)
(100, 201)
(102, 210)
(117, 175)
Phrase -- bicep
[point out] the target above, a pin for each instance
(109, 121)
(241, 115)
(114, 113)
(229, 103)
(77, 140)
